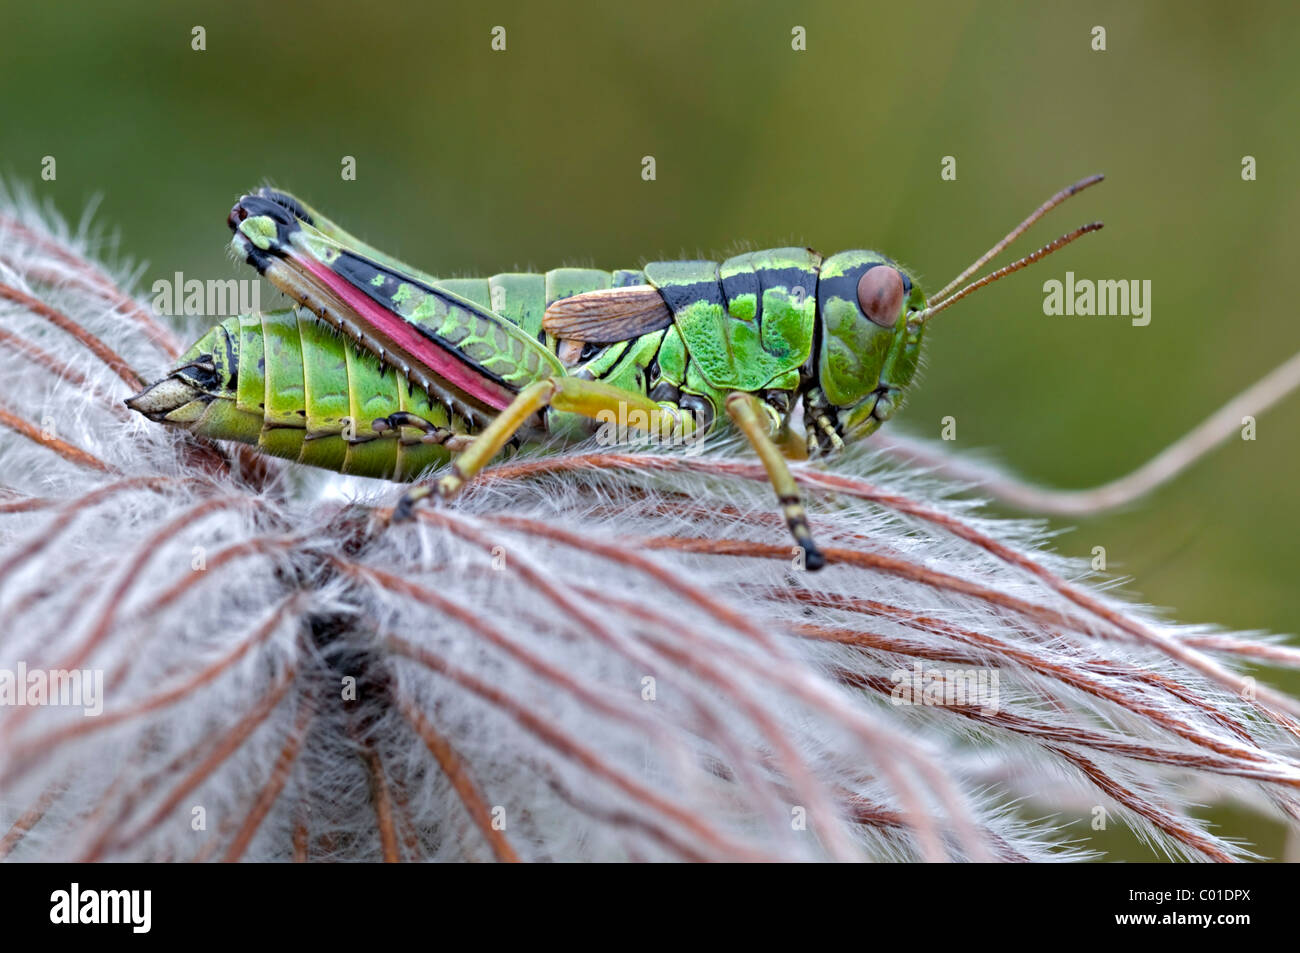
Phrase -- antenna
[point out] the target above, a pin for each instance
(1051, 203)
(1013, 267)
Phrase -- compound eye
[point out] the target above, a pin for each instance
(880, 295)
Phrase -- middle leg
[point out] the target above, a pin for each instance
(749, 415)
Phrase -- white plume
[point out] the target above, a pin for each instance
(592, 654)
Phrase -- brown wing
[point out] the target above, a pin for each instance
(604, 317)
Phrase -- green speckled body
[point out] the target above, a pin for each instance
(502, 351)
(292, 387)
(296, 388)
(748, 322)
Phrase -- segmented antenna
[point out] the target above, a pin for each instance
(945, 296)
(1025, 262)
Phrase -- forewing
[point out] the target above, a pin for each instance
(458, 349)
(608, 316)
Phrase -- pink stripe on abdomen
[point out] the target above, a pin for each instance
(399, 335)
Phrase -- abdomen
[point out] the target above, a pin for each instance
(291, 386)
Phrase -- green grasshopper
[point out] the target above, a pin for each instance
(386, 371)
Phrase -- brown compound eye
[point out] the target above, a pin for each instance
(880, 295)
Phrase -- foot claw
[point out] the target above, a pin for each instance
(404, 511)
(813, 558)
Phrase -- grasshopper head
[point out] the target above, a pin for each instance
(870, 342)
(871, 317)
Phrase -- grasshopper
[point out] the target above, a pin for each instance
(383, 370)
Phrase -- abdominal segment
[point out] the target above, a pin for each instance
(285, 383)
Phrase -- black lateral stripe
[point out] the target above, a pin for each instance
(745, 282)
(841, 286)
(360, 272)
(846, 285)
(679, 297)
(742, 283)
(788, 278)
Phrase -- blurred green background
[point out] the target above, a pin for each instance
(471, 161)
